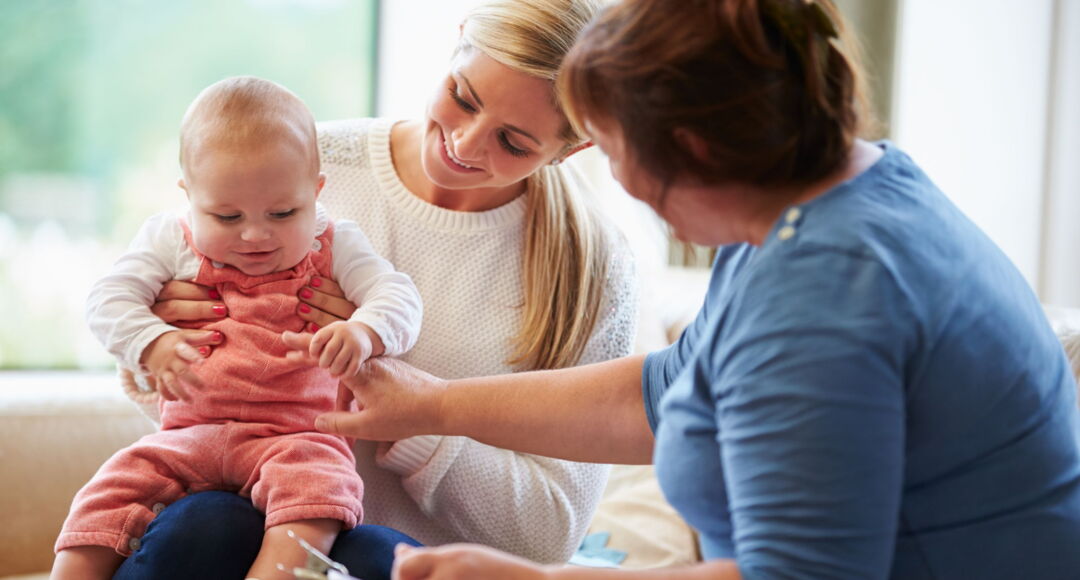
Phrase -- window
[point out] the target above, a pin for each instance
(91, 96)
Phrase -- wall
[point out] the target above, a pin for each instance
(416, 38)
(970, 105)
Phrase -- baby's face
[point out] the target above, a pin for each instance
(254, 211)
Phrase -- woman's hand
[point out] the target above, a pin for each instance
(322, 302)
(188, 302)
(395, 400)
(461, 561)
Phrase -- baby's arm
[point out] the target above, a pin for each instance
(389, 304)
(118, 307)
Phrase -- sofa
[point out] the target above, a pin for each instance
(57, 428)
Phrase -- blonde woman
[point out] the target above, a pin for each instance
(516, 272)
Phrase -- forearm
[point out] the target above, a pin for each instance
(712, 570)
(593, 413)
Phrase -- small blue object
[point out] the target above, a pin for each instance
(594, 553)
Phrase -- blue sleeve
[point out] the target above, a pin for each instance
(661, 367)
(810, 412)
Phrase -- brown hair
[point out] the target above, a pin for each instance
(771, 87)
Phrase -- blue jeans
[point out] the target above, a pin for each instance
(217, 534)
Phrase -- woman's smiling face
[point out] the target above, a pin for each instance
(489, 125)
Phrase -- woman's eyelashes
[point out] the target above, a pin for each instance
(509, 147)
(465, 105)
(504, 140)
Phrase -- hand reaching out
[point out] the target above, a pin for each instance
(171, 358)
(340, 347)
(461, 562)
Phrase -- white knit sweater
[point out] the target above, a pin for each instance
(467, 266)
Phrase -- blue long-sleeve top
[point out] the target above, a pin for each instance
(874, 392)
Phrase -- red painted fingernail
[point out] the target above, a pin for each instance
(314, 327)
(215, 295)
(316, 282)
(305, 308)
(219, 309)
(217, 336)
(204, 350)
(305, 293)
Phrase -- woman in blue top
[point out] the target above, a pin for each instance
(870, 390)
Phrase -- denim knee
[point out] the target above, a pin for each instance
(213, 534)
(368, 550)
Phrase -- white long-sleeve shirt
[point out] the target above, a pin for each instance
(468, 267)
(118, 307)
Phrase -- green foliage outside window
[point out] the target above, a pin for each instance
(91, 95)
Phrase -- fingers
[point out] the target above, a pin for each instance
(343, 362)
(326, 286)
(296, 340)
(164, 380)
(326, 301)
(347, 423)
(188, 310)
(202, 337)
(171, 388)
(412, 563)
(179, 290)
(344, 398)
(298, 344)
(190, 353)
(197, 344)
(329, 351)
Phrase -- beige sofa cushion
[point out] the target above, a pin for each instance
(56, 429)
(641, 522)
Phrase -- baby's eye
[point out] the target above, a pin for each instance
(228, 219)
(282, 214)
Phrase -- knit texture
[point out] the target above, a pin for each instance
(467, 267)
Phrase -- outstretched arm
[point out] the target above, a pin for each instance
(592, 413)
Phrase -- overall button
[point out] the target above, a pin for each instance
(157, 508)
(793, 215)
(785, 233)
(134, 544)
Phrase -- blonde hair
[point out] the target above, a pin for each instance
(245, 112)
(566, 252)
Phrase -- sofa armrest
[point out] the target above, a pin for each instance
(56, 429)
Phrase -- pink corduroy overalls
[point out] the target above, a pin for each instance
(250, 430)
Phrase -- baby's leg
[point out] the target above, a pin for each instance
(279, 548)
(85, 562)
(306, 482)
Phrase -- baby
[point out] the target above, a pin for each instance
(241, 419)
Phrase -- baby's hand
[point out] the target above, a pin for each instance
(343, 346)
(170, 358)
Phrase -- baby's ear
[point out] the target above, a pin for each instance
(319, 185)
(183, 186)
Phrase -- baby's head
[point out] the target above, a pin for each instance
(250, 165)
